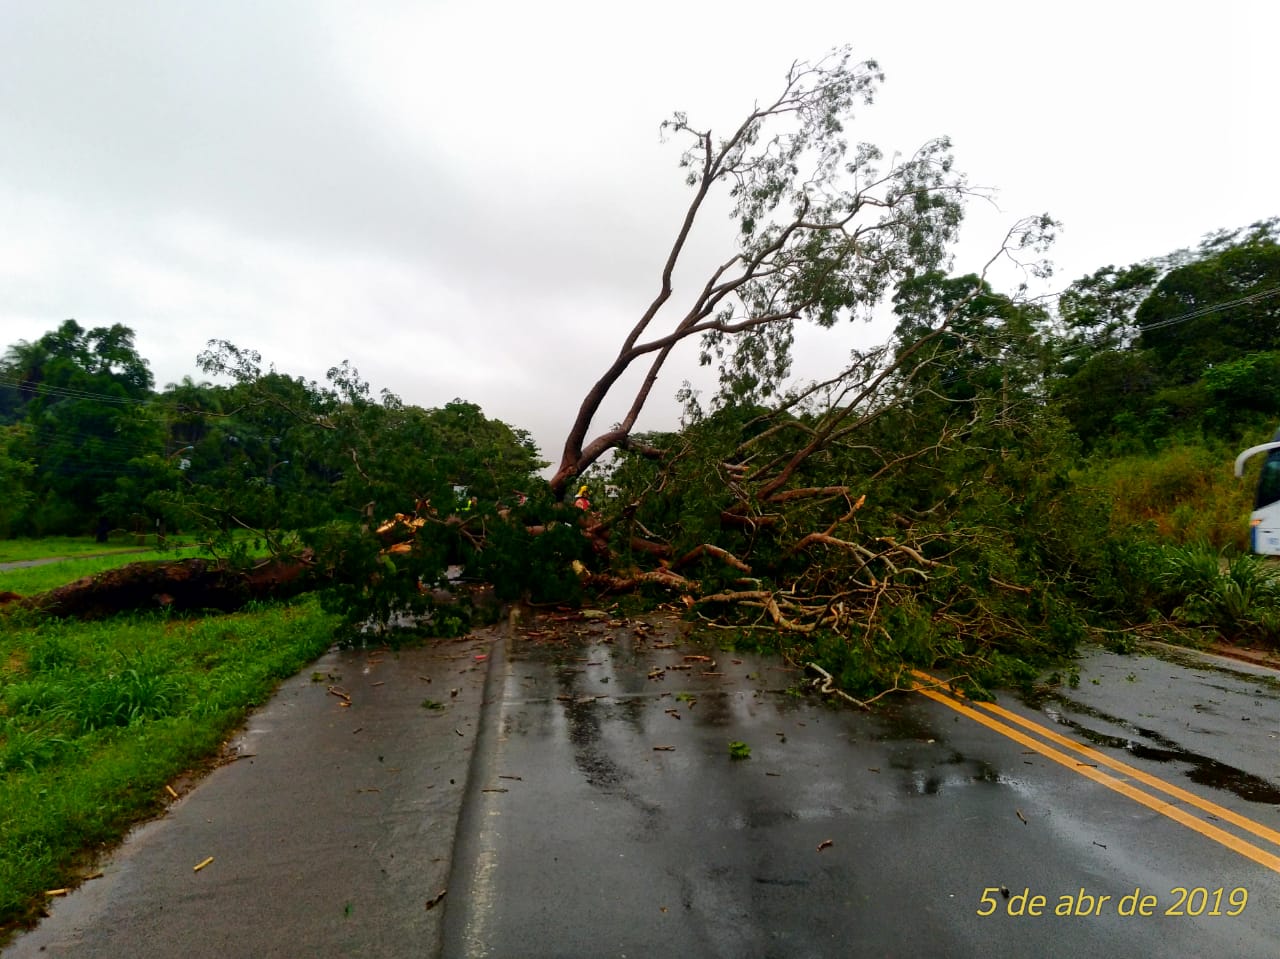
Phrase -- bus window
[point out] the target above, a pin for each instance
(1269, 481)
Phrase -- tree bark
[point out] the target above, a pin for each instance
(172, 584)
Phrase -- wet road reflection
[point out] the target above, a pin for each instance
(624, 821)
(1151, 745)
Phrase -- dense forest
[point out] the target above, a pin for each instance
(999, 480)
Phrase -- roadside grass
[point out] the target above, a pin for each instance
(30, 580)
(95, 719)
(1236, 598)
(19, 550)
(1183, 495)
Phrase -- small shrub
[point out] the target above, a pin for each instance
(1237, 597)
(51, 654)
(28, 749)
(123, 698)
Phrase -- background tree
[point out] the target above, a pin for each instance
(83, 396)
(492, 460)
(1174, 346)
(16, 471)
(987, 342)
(366, 484)
(1216, 308)
(1097, 312)
(1113, 394)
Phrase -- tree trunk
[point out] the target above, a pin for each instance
(172, 584)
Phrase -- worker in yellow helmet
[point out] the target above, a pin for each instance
(582, 502)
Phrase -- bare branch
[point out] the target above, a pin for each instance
(707, 549)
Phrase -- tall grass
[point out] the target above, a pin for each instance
(1182, 519)
(1180, 495)
(96, 717)
(1236, 598)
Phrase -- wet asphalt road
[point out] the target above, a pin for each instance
(578, 798)
(847, 833)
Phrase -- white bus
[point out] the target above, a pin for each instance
(1264, 521)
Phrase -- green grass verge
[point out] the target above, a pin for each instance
(71, 566)
(96, 717)
(30, 580)
(19, 550)
(47, 547)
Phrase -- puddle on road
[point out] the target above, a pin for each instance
(1267, 685)
(1157, 748)
(606, 691)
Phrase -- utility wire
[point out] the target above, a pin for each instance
(1216, 308)
(67, 392)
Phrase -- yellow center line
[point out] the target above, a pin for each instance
(1155, 782)
(1176, 813)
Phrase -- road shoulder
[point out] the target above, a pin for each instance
(332, 833)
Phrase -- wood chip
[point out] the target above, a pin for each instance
(826, 844)
(1020, 816)
(664, 749)
(435, 900)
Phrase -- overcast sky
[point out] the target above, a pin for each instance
(472, 200)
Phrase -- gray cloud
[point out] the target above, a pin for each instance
(471, 200)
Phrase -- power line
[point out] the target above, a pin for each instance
(1216, 308)
(67, 392)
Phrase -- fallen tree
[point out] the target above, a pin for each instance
(912, 506)
(179, 585)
